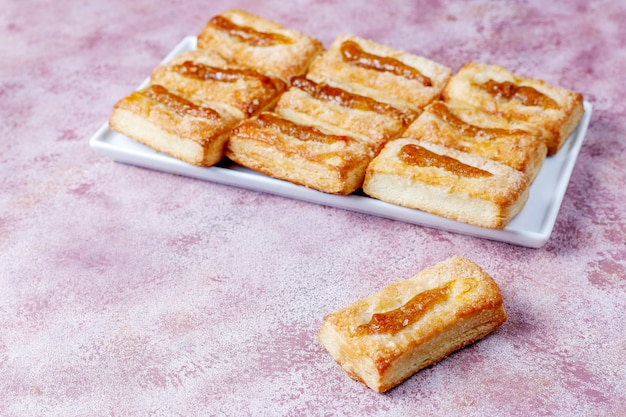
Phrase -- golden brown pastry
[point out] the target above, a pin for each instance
(337, 109)
(495, 89)
(295, 151)
(383, 339)
(173, 124)
(405, 81)
(259, 43)
(469, 129)
(207, 78)
(461, 186)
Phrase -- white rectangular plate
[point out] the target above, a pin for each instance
(531, 227)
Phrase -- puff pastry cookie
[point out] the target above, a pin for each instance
(172, 124)
(495, 89)
(383, 339)
(295, 151)
(406, 81)
(259, 43)
(469, 129)
(208, 78)
(461, 186)
(355, 115)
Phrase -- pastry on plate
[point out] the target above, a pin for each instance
(406, 81)
(208, 78)
(337, 109)
(301, 153)
(470, 129)
(465, 187)
(167, 122)
(259, 43)
(385, 338)
(555, 110)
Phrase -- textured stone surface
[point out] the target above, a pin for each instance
(125, 291)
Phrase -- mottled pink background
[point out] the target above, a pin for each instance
(125, 291)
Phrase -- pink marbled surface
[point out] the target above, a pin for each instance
(125, 291)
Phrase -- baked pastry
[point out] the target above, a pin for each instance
(337, 109)
(300, 153)
(385, 338)
(461, 186)
(209, 79)
(259, 43)
(469, 129)
(495, 89)
(172, 124)
(405, 81)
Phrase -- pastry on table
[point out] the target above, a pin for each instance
(405, 81)
(465, 187)
(301, 153)
(208, 78)
(262, 44)
(365, 118)
(385, 338)
(470, 129)
(555, 110)
(167, 122)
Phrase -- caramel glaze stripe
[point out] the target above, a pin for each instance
(178, 104)
(325, 92)
(422, 157)
(443, 112)
(247, 34)
(230, 75)
(526, 95)
(393, 321)
(355, 55)
(300, 132)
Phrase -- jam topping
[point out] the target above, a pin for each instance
(325, 92)
(301, 132)
(178, 104)
(229, 75)
(248, 34)
(417, 155)
(393, 321)
(528, 96)
(444, 113)
(355, 55)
